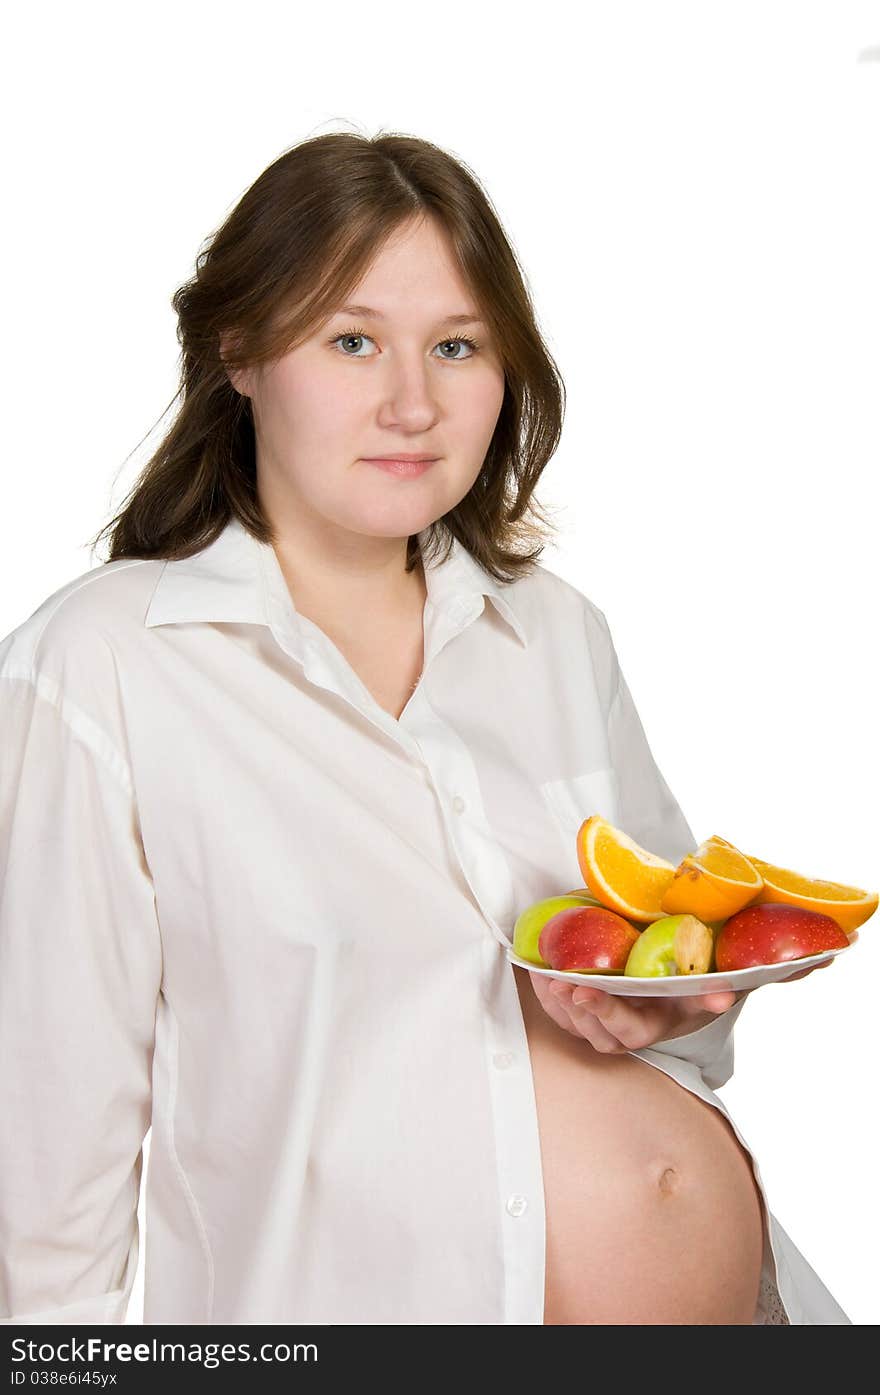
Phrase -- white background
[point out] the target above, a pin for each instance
(692, 190)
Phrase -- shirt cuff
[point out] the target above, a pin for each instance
(709, 1048)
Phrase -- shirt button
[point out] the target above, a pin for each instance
(458, 804)
(516, 1205)
(503, 1059)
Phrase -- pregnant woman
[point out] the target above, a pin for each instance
(277, 778)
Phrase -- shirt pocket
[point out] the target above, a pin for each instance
(575, 798)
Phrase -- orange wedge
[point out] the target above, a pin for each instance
(622, 875)
(850, 906)
(713, 882)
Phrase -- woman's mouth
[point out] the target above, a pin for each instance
(401, 467)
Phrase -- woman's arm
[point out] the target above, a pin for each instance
(80, 971)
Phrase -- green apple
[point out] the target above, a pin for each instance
(677, 944)
(532, 920)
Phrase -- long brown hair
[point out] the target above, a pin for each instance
(292, 249)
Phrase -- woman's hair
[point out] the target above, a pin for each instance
(290, 252)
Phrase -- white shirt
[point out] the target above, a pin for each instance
(244, 905)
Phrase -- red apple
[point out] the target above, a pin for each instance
(587, 939)
(771, 932)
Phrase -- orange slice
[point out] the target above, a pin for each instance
(850, 906)
(622, 875)
(713, 882)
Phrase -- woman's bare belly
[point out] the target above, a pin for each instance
(653, 1211)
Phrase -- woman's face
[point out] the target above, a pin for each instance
(408, 384)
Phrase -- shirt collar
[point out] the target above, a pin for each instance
(238, 579)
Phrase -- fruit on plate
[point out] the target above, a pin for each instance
(848, 906)
(624, 876)
(532, 920)
(772, 933)
(713, 882)
(677, 944)
(715, 885)
(587, 939)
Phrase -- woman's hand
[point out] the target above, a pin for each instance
(617, 1024)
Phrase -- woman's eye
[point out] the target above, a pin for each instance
(468, 343)
(346, 338)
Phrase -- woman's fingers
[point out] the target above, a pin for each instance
(554, 996)
(639, 1021)
(633, 1022)
(715, 1002)
(587, 1022)
(552, 1001)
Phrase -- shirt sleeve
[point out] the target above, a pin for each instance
(650, 814)
(80, 971)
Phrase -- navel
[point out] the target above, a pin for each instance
(668, 1180)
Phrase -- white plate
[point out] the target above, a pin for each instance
(687, 985)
